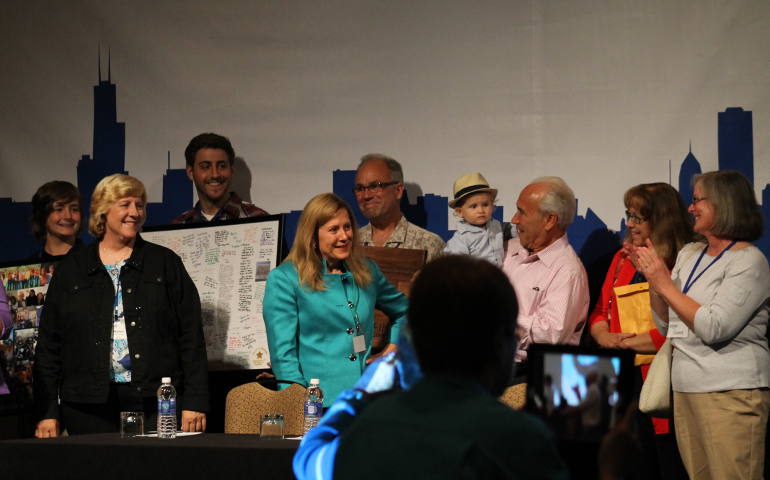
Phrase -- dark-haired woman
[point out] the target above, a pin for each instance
(713, 308)
(56, 219)
(653, 211)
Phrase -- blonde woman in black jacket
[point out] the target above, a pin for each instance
(120, 314)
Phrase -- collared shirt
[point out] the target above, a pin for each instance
(481, 242)
(552, 290)
(406, 235)
(234, 208)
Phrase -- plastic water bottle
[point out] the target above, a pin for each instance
(166, 409)
(314, 401)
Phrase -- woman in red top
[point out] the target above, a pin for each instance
(655, 211)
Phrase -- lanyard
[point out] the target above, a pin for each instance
(690, 281)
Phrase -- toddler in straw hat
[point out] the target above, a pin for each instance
(478, 234)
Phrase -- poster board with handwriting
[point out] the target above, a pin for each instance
(229, 263)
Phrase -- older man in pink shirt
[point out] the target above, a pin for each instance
(550, 281)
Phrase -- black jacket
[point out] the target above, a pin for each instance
(163, 322)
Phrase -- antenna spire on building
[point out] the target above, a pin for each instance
(109, 65)
(99, 61)
(168, 159)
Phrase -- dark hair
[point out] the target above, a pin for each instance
(43, 200)
(738, 216)
(670, 224)
(459, 307)
(208, 140)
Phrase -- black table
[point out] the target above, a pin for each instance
(107, 456)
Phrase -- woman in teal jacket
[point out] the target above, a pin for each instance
(319, 303)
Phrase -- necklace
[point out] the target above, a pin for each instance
(116, 256)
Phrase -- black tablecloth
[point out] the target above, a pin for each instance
(109, 457)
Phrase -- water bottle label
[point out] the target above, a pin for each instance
(167, 407)
(313, 408)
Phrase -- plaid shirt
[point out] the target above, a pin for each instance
(407, 235)
(234, 208)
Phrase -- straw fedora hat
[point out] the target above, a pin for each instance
(469, 184)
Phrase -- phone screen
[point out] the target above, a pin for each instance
(580, 393)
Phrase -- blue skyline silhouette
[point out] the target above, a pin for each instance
(108, 157)
(589, 234)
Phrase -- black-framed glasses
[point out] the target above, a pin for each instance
(630, 217)
(695, 199)
(374, 187)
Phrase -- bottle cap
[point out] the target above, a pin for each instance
(165, 380)
(314, 381)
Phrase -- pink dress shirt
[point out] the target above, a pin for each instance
(552, 290)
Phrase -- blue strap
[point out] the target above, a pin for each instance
(690, 281)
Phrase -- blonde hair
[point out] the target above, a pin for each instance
(304, 252)
(108, 191)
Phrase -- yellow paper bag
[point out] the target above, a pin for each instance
(635, 314)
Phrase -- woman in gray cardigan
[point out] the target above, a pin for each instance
(713, 309)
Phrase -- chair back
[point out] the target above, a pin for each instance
(246, 404)
(515, 396)
(399, 266)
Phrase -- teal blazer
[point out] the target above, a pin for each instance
(308, 330)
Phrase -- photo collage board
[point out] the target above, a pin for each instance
(26, 287)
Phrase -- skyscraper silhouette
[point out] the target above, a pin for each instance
(177, 196)
(736, 141)
(108, 157)
(690, 168)
(109, 141)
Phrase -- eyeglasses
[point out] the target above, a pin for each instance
(630, 217)
(695, 200)
(374, 187)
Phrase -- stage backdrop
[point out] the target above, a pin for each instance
(605, 94)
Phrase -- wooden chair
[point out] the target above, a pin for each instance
(399, 266)
(515, 396)
(246, 404)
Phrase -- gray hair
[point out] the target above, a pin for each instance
(559, 200)
(737, 215)
(396, 172)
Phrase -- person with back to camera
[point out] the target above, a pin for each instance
(654, 211)
(450, 423)
(120, 314)
(56, 219)
(477, 234)
(713, 308)
(319, 303)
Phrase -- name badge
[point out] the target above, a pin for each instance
(677, 330)
(359, 344)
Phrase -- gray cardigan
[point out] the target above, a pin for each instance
(728, 347)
